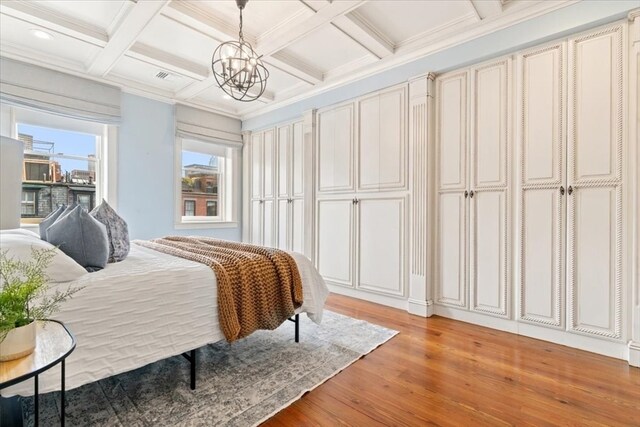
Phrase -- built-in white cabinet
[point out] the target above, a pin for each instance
(362, 195)
(571, 184)
(290, 183)
(473, 152)
(263, 203)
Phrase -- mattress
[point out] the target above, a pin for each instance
(146, 308)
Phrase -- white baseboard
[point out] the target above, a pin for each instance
(420, 308)
(400, 303)
(605, 347)
(634, 353)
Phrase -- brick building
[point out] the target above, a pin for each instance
(200, 191)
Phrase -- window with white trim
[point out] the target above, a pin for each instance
(206, 182)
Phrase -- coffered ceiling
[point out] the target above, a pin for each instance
(163, 48)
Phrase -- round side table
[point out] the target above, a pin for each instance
(54, 343)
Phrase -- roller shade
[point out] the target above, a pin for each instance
(27, 85)
(192, 123)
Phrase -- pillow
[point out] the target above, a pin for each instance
(21, 231)
(62, 267)
(50, 219)
(81, 237)
(117, 231)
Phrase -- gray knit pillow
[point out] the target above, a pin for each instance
(49, 220)
(82, 237)
(117, 231)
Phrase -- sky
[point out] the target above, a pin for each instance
(66, 142)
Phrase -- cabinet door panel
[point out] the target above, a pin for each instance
(542, 118)
(392, 151)
(284, 161)
(335, 241)
(489, 260)
(369, 147)
(595, 93)
(256, 222)
(381, 230)
(284, 219)
(490, 125)
(452, 250)
(594, 261)
(298, 160)
(452, 131)
(268, 224)
(297, 225)
(256, 165)
(541, 260)
(268, 148)
(335, 149)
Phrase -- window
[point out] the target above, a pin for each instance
(189, 208)
(64, 162)
(84, 200)
(205, 187)
(212, 208)
(28, 205)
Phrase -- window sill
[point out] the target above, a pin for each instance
(205, 224)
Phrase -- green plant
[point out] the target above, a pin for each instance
(24, 290)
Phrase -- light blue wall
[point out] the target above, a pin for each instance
(145, 171)
(571, 19)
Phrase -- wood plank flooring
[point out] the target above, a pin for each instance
(442, 372)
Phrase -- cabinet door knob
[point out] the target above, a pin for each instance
(466, 194)
(561, 190)
(570, 190)
(471, 194)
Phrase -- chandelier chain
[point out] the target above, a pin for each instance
(240, 34)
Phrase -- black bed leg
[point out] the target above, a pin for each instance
(297, 322)
(193, 369)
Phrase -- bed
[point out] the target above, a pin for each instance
(146, 308)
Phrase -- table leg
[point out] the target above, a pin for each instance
(36, 404)
(62, 401)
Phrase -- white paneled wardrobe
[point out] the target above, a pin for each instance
(554, 173)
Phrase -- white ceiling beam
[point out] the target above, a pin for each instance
(486, 8)
(126, 34)
(278, 40)
(164, 60)
(294, 67)
(365, 34)
(196, 88)
(56, 22)
(195, 17)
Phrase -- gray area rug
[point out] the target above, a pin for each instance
(239, 384)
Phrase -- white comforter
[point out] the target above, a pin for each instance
(146, 308)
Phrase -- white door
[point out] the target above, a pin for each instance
(335, 149)
(284, 161)
(382, 141)
(297, 225)
(297, 155)
(256, 165)
(284, 220)
(269, 164)
(451, 147)
(594, 155)
(541, 205)
(335, 244)
(268, 224)
(257, 220)
(381, 245)
(489, 196)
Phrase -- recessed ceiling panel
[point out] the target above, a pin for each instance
(281, 81)
(18, 34)
(326, 49)
(142, 72)
(100, 13)
(401, 19)
(179, 40)
(259, 16)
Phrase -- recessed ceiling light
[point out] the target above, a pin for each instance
(41, 34)
(225, 96)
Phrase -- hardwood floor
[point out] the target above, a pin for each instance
(443, 372)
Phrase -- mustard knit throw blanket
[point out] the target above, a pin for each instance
(258, 287)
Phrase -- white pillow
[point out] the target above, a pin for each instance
(62, 267)
(22, 231)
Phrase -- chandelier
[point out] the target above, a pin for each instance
(238, 69)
